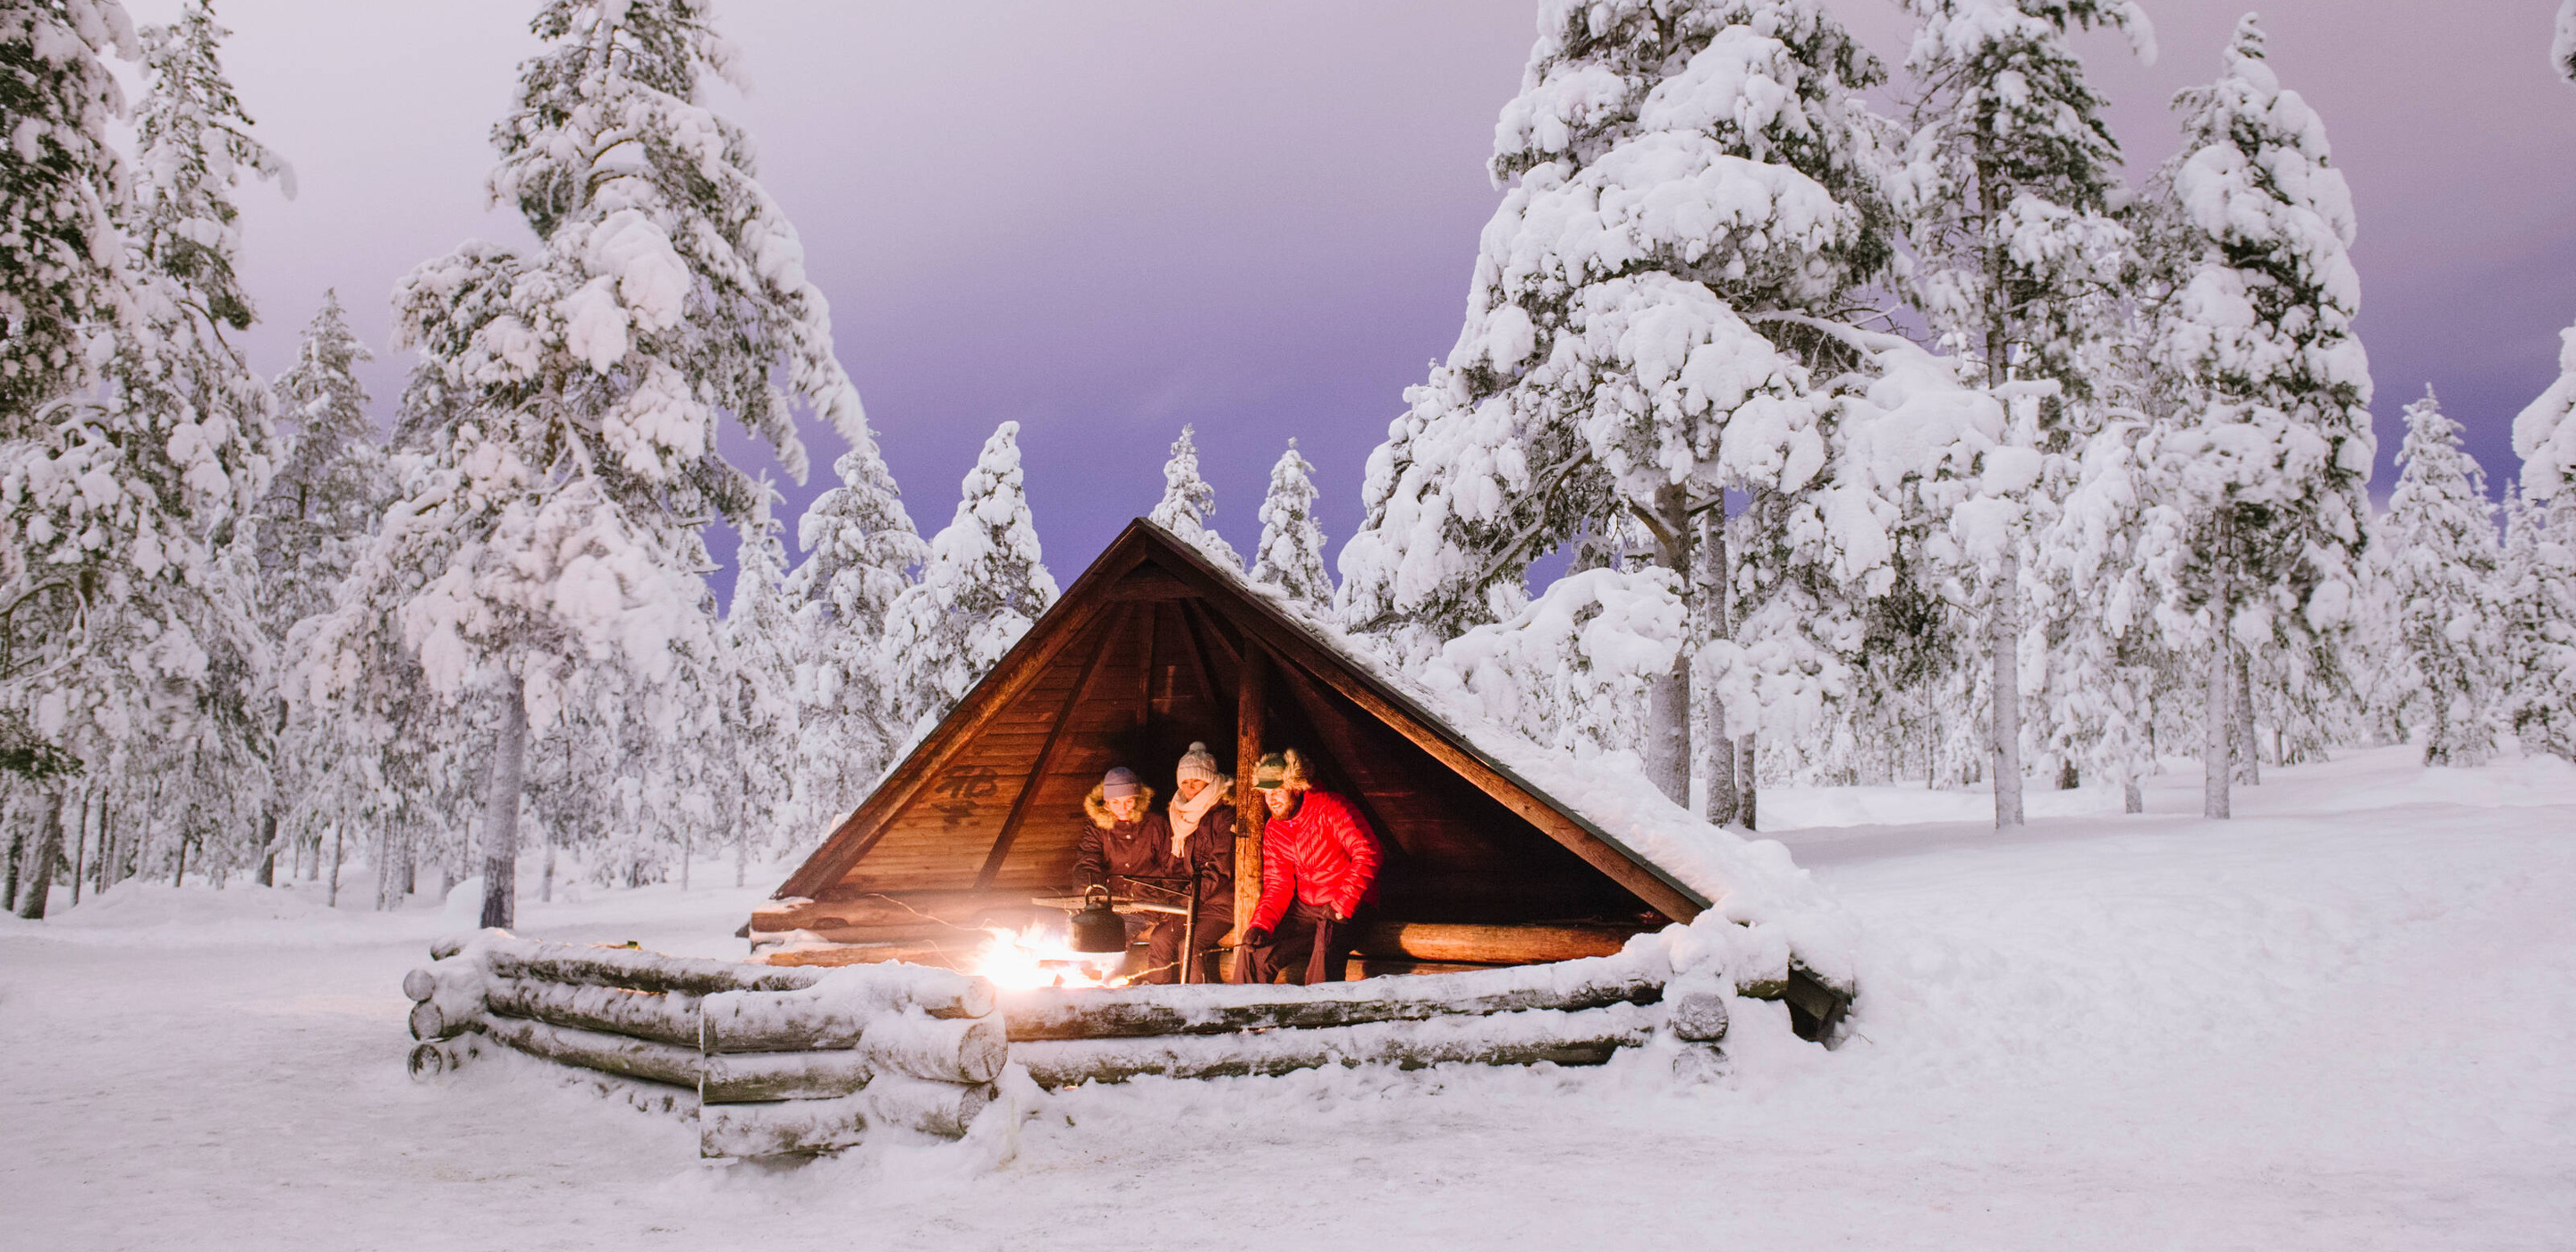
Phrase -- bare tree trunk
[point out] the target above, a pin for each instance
(384, 867)
(685, 850)
(1744, 775)
(2249, 770)
(268, 846)
(1668, 707)
(49, 848)
(2218, 735)
(179, 873)
(501, 810)
(339, 847)
(1716, 747)
(17, 857)
(2007, 693)
(80, 846)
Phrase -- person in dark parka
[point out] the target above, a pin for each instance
(1127, 848)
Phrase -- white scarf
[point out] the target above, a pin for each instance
(1186, 815)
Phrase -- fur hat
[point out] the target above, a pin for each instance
(1281, 769)
(1200, 764)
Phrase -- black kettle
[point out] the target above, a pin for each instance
(1096, 928)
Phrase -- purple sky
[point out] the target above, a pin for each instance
(1103, 220)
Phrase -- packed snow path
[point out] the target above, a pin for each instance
(2342, 1021)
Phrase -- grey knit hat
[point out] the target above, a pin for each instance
(1120, 783)
(1200, 764)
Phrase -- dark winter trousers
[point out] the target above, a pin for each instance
(1307, 943)
(1154, 943)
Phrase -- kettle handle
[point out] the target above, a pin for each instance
(1101, 889)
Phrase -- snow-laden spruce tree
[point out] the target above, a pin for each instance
(1693, 199)
(2441, 533)
(1188, 501)
(2266, 441)
(2536, 585)
(2010, 188)
(1291, 555)
(985, 583)
(61, 187)
(578, 456)
(2101, 549)
(762, 643)
(861, 549)
(127, 505)
(332, 480)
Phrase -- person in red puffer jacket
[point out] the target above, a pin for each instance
(1319, 863)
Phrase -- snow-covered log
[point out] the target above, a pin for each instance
(429, 1060)
(1525, 1038)
(962, 1051)
(841, 948)
(933, 1108)
(662, 1018)
(781, 1128)
(785, 1127)
(837, 1008)
(954, 1050)
(1698, 1016)
(1213, 1008)
(633, 970)
(591, 1049)
(448, 997)
(759, 1077)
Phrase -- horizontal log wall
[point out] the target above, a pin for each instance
(810, 1067)
(838, 1053)
(1217, 1008)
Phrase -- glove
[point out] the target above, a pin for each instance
(1257, 937)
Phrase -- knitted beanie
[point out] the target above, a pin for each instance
(1198, 763)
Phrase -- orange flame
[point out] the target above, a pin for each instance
(1032, 957)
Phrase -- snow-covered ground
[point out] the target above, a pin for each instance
(2345, 1020)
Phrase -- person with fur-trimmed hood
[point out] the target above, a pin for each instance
(1319, 863)
(1127, 840)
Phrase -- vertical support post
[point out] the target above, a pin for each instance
(1251, 709)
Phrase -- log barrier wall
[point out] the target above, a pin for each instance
(799, 1059)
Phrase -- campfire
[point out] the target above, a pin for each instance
(1039, 955)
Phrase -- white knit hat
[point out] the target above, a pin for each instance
(1200, 764)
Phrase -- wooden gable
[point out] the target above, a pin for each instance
(1149, 651)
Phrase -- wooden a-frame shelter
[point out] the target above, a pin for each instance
(1150, 649)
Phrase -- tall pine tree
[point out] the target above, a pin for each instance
(1291, 555)
(2266, 443)
(2009, 189)
(1188, 501)
(667, 291)
(2442, 561)
(861, 549)
(985, 583)
(1694, 199)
